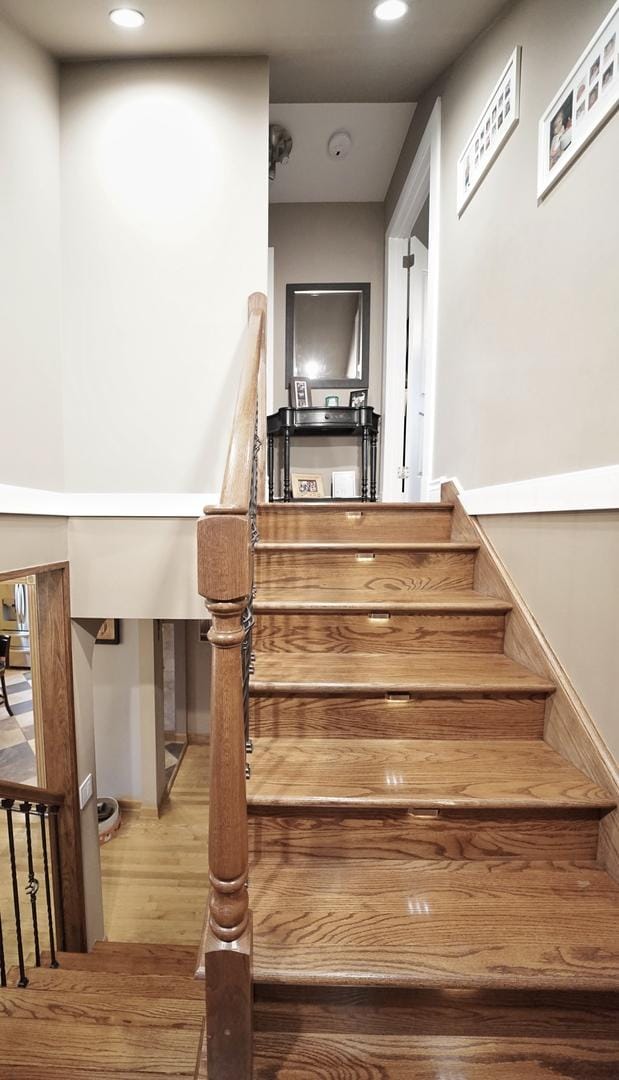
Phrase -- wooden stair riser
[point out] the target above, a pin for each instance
(366, 524)
(399, 574)
(288, 837)
(396, 716)
(379, 633)
(388, 1011)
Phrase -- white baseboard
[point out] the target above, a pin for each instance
(586, 489)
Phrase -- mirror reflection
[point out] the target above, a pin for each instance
(327, 334)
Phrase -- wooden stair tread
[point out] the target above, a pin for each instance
(419, 673)
(315, 506)
(417, 773)
(72, 980)
(84, 1049)
(318, 1057)
(118, 1006)
(365, 545)
(308, 600)
(126, 962)
(450, 925)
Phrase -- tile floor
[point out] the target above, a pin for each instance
(17, 750)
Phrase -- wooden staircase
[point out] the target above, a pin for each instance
(424, 882)
(122, 1012)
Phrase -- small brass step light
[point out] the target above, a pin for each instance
(397, 699)
(365, 556)
(379, 616)
(422, 812)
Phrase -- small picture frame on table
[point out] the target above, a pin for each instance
(358, 399)
(300, 394)
(307, 485)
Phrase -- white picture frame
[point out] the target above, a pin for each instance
(585, 101)
(344, 484)
(498, 119)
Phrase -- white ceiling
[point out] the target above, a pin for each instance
(320, 50)
(377, 132)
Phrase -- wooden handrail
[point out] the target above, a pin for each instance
(25, 793)
(226, 536)
(236, 488)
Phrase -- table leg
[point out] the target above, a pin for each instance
(373, 445)
(364, 465)
(287, 487)
(270, 466)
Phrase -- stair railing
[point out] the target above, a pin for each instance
(29, 845)
(226, 538)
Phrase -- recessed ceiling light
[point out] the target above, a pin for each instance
(128, 18)
(389, 10)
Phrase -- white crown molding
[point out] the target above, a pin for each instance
(37, 502)
(586, 489)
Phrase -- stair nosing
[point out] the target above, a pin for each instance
(478, 605)
(366, 545)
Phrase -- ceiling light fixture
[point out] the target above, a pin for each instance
(128, 18)
(389, 10)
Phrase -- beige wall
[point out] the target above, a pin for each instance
(567, 568)
(199, 658)
(528, 379)
(134, 568)
(327, 242)
(164, 234)
(32, 541)
(83, 645)
(32, 449)
(117, 715)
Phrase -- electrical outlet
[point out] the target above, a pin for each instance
(85, 791)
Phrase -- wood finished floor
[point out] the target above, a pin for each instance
(155, 872)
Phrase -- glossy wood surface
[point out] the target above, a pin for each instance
(331, 1057)
(397, 717)
(387, 573)
(336, 600)
(351, 522)
(417, 773)
(462, 924)
(455, 674)
(292, 835)
(120, 1012)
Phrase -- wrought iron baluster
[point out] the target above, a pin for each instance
(48, 890)
(32, 887)
(248, 615)
(7, 806)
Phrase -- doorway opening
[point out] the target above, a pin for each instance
(411, 318)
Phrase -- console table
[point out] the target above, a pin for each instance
(363, 422)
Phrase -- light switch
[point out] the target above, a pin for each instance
(85, 791)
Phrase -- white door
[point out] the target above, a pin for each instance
(416, 371)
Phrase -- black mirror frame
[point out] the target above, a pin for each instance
(337, 286)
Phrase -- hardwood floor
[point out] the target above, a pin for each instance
(155, 872)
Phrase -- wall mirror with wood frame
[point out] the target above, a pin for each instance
(328, 334)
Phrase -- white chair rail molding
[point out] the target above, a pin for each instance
(585, 489)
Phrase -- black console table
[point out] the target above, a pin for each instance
(325, 421)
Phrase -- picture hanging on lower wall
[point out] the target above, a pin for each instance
(586, 100)
(496, 123)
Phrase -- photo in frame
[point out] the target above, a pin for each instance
(584, 102)
(109, 632)
(358, 399)
(300, 394)
(498, 119)
(307, 485)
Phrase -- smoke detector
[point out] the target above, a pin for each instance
(339, 145)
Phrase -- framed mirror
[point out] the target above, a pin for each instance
(328, 334)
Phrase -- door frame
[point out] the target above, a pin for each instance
(57, 748)
(424, 179)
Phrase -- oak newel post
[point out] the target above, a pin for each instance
(224, 578)
(226, 537)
